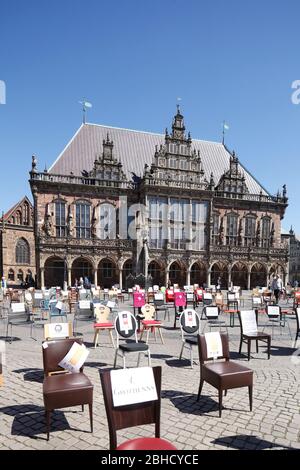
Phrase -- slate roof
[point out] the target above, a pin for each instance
(135, 148)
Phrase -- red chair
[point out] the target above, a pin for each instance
(169, 295)
(134, 415)
(179, 303)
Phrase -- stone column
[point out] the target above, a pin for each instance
(229, 277)
(188, 277)
(42, 278)
(96, 278)
(69, 277)
(208, 277)
(249, 279)
(167, 277)
(121, 278)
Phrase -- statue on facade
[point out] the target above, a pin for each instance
(48, 223)
(258, 234)
(70, 224)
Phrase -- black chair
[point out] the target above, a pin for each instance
(131, 346)
(222, 375)
(189, 332)
(297, 312)
(207, 299)
(212, 314)
(249, 332)
(232, 309)
(17, 316)
(160, 305)
(136, 414)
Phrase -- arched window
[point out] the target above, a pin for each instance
(231, 231)
(250, 230)
(265, 232)
(60, 219)
(22, 252)
(11, 275)
(83, 220)
(107, 222)
(20, 275)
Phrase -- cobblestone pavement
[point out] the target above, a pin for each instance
(274, 422)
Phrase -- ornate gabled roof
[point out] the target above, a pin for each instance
(12, 216)
(135, 149)
(233, 180)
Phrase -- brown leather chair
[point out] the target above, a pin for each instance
(134, 415)
(223, 375)
(62, 389)
(254, 335)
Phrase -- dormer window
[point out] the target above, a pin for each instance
(172, 162)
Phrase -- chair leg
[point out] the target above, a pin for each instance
(200, 388)
(96, 338)
(111, 337)
(147, 337)
(220, 402)
(82, 407)
(241, 343)
(161, 336)
(91, 415)
(180, 355)
(191, 356)
(225, 393)
(48, 417)
(257, 345)
(149, 358)
(249, 348)
(142, 332)
(250, 388)
(269, 347)
(116, 358)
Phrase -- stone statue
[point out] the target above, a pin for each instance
(70, 224)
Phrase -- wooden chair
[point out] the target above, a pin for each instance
(297, 312)
(212, 315)
(62, 389)
(101, 313)
(249, 332)
(149, 324)
(57, 330)
(126, 328)
(134, 415)
(189, 324)
(222, 375)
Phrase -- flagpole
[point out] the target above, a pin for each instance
(223, 138)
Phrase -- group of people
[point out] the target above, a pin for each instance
(83, 283)
(276, 286)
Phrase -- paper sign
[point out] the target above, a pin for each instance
(125, 321)
(57, 330)
(85, 304)
(298, 313)
(256, 301)
(59, 305)
(211, 312)
(159, 296)
(18, 308)
(190, 318)
(190, 296)
(75, 358)
(273, 311)
(38, 295)
(213, 345)
(135, 385)
(110, 304)
(249, 324)
(207, 296)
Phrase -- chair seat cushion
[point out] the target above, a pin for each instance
(151, 323)
(130, 347)
(146, 443)
(191, 339)
(227, 374)
(104, 325)
(258, 335)
(67, 390)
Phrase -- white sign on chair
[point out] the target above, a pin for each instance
(248, 319)
(134, 385)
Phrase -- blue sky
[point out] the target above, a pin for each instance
(228, 60)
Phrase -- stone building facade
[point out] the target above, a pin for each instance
(294, 260)
(119, 201)
(17, 243)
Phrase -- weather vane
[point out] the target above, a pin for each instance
(85, 104)
(225, 128)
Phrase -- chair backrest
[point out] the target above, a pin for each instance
(207, 298)
(18, 307)
(213, 340)
(233, 305)
(211, 312)
(179, 299)
(84, 305)
(54, 351)
(125, 324)
(148, 311)
(190, 296)
(297, 312)
(273, 311)
(101, 313)
(138, 299)
(137, 414)
(189, 321)
(248, 322)
(256, 301)
(231, 296)
(57, 330)
(159, 298)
